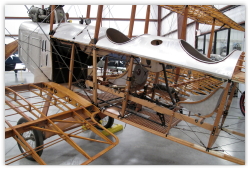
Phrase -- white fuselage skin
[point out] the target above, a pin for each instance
(35, 49)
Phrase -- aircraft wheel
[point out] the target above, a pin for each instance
(107, 122)
(242, 103)
(33, 137)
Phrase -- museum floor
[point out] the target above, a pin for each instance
(136, 147)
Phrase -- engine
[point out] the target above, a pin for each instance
(43, 15)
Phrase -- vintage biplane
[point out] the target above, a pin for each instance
(164, 82)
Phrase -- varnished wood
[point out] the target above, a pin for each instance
(46, 105)
(29, 108)
(64, 92)
(211, 40)
(88, 11)
(127, 88)
(196, 34)
(147, 20)
(17, 110)
(182, 29)
(184, 24)
(159, 21)
(215, 134)
(229, 101)
(205, 14)
(117, 76)
(132, 19)
(185, 143)
(23, 87)
(239, 77)
(154, 107)
(25, 145)
(71, 66)
(106, 149)
(98, 23)
(11, 48)
(52, 15)
(71, 117)
(234, 132)
(94, 76)
(156, 80)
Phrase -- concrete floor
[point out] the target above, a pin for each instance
(137, 147)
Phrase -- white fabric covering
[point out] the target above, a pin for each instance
(204, 107)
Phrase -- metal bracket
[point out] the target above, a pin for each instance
(129, 78)
(225, 113)
(214, 129)
(93, 47)
(52, 32)
(162, 118)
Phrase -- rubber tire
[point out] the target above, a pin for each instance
(38, 140)
(242, 103)
(109, 123)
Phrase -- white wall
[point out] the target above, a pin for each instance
(17, 10)
(169, 24)
(190, 36)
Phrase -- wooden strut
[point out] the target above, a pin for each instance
(53, 142)
(11, 48)
(25, 145)
(49, 100)
(132, 19)
(71, 67)
(216, 130)
(17, 110)
(156, 80)
(184, 24)
(170, 123)
(211, 40)
(127, 88)
(159, 21)
(185, 143)
(29, 104)
(94, 76)
(88, 11)
(182, 29)
(98, 23)
(97, 28)
(230, 99)
(154, 107)
(196, 34)
(52, 15)
(40, 122)
(147, 20)
(46, 105)
(55, 128)
(64, 135)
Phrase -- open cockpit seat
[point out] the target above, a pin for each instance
(204, 106)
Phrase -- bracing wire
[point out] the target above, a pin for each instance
(110, 13)
(79, 10)
(110, 97)
(30, 58)
(152, 6)
(136, 14)
(58, 54)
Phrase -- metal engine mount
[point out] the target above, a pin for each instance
(38, 14)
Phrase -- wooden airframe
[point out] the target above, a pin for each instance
(80, 109)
